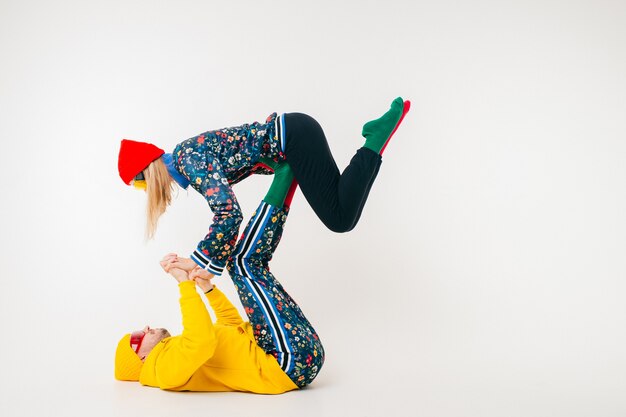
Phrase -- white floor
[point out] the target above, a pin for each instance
(410, 391)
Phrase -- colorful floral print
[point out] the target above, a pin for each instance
(280, 328)
(214, 161)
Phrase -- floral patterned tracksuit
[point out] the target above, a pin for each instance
(214, 161)
(280, 327)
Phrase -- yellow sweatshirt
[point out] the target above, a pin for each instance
(212, 357)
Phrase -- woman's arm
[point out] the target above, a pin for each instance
(208, 179)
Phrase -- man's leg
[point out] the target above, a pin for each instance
(280, 327)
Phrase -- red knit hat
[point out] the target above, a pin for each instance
(135, 157)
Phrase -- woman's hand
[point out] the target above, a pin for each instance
(167, 260)
(185, 264)
(167, 263)
(202, 278)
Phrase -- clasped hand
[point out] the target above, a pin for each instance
(184, 269)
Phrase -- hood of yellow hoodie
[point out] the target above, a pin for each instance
(148, 372)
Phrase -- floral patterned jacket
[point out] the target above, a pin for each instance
(214, 161)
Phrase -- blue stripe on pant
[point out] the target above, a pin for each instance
(280, 328)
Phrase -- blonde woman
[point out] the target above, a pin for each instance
(292, 146)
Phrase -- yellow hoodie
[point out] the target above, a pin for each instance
(212, 357)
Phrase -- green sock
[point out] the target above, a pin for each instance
(269, 162)
(283, 176)
(378, 131)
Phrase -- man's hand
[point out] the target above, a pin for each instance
(202, 278)
(179, 274)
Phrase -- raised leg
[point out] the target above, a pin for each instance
(337, 198)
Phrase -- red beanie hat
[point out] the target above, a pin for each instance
(135, 157)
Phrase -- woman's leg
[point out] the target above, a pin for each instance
(337, 199)
(280, 327)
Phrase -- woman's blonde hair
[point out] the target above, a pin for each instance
(159, 186)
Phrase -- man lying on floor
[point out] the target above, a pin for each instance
(276, 351)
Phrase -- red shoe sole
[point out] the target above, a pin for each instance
(405, 110)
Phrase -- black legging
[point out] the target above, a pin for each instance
(337, 199)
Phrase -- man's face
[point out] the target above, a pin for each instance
(150, 340)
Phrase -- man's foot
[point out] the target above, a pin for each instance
(378, 132)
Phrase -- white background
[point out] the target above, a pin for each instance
(486, 277)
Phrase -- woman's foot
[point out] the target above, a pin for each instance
(377, 133)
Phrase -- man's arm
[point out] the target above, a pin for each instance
(186, 353)
(225, 312)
